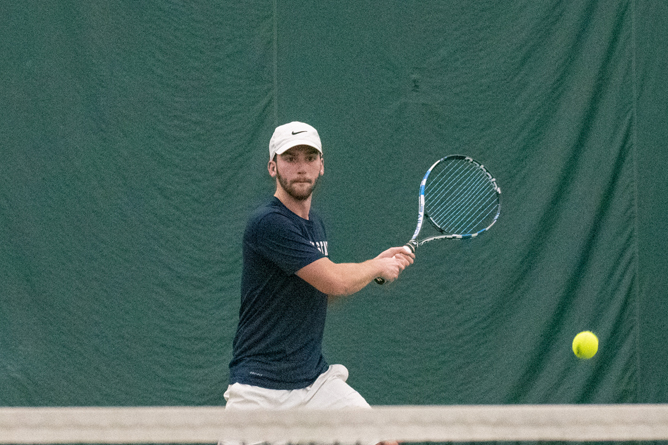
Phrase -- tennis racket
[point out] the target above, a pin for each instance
(459, 197)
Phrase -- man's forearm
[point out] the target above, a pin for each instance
(338, 279)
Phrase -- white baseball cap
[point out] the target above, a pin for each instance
(291, 135)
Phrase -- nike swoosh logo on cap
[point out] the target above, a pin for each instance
(297, 132)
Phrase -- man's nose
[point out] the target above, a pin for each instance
(301, 165)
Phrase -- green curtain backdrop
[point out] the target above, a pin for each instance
(134, 144)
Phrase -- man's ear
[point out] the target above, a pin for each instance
(271, 167)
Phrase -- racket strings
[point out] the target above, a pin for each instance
(463, 213)
(461, 197)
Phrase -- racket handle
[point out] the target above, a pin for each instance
(411, 245)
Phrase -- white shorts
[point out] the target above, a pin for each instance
(329, 391)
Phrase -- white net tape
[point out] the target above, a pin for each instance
(402, 423)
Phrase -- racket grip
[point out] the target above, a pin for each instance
(411, 245)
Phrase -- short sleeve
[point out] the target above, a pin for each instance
(287, 243)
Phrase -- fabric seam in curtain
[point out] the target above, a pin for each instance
(275, 55)
(634, 157)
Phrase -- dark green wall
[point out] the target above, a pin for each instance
(134, 143)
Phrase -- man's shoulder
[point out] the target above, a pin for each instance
(271, 211)
(271, 219)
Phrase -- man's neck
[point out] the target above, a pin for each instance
(298, 207)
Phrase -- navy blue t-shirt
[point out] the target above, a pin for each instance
(278, 344)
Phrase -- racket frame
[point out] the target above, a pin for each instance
(414, 243)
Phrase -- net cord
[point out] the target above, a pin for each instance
(402, 423)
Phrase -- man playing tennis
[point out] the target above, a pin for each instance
(286, 281)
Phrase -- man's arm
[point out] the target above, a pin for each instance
(337, 279)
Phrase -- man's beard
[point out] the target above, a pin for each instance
(297, 194)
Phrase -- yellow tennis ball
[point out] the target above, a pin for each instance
(585, 345)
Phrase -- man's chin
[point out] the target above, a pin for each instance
(300, 196)
(301, 193)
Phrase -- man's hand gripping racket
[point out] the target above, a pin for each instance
(459, 197)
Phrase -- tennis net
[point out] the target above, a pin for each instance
(403, 423)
